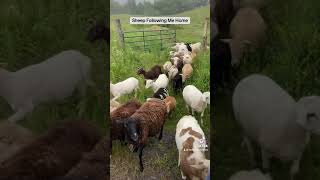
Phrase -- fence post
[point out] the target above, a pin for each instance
(205, 34)
(144, 42)
(120, 32)
(160, 39)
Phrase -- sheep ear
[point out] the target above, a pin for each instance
(306, 115)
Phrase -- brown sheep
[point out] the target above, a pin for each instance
(118, 117)
(53, 154)
(93, 164)
(171, 103)
(153, 73)
(146, 121)
(186, 72)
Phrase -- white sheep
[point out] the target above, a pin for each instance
(53, 79)
(244, 36)
(176, 46)
(250, 175)
(161, 82)
(173, 71)
(187, 59)
(191, 144)
(124, 87)
(196, 48)
(270, 117)
(166, 66)
(197, 100)
(182, 49)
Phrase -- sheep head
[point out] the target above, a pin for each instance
(206, 97)
(308, 113)
(131, 130)
(141, 71)
(149, 83)
(97, 31)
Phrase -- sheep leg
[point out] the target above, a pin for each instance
(21, 113)
(294, 169)
(182, 175)
(251, 151)
(116, 97)
(140, 157)
(201, 120)
(265, 160)
(179, 159)
(160, 135)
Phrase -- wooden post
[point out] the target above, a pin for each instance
(144, 42)
(120, 32)
(205, 34)
(161, 39)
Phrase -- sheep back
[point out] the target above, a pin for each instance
(52, 154)
(150, 118)
(93, 164)
(120, 114)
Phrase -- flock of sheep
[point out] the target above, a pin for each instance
(133, 122)
(267, 114)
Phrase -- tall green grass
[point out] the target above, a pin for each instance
(32, 31)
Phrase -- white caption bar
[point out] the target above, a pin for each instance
(160, 20)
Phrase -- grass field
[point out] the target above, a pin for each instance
(160, 157)
(32, 31)
(290, 57)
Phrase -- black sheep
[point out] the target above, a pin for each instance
(220, 63)
(162, 93)
(189, 47)
(153, 73)
(177, 83)
(98, 31)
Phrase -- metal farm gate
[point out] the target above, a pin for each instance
(146, 39)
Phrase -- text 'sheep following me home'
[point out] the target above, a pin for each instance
(159, 20)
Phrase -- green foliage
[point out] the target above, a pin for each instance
(32, 31)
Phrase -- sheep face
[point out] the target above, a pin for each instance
(149, 83)
(308, 110)
(140, 71)
(206, 97)
(131, 130)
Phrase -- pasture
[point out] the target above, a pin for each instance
(291, 58)
(32, 31)
(160, 158)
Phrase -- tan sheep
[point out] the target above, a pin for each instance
(186, 72)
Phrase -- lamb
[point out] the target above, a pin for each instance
(220, 63)
(243, 35)
(166, 66)
(12, 138)
(153, 73)
(250, 175)
(171, 103)
(114, 105)
(161, 82)
(177, 83)
(187, 59)
(173, 71)
(93, 164)
(270, 117)
(53, 154)
(162, 93)
(117, 118)
(186, 72)
(124, 87)
(223, 14)
(196, 99)
(182, 49)
(149, 120)
(191, 144)
(47, 85)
